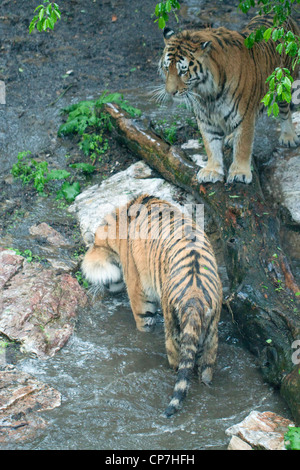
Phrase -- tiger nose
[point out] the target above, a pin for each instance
(172, 89)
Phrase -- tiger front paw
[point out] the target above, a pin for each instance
(289, 139)
(239, 174)
(210, 175)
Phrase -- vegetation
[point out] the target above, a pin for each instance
(46, 16)
(29, 170)
(27, 254)
(292, 439)
(88, 120)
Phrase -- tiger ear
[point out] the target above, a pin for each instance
(167, 34)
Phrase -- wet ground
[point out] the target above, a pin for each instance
(115, 381)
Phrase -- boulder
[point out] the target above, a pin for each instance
(52, 236)
(53, 247)
(97, 201)
(281, 178)
(38, 306)
(264, 431)
(22, 397)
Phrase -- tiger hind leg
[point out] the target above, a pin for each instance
(172, 334)
(288, 136)
(207, 354)
(143, 307)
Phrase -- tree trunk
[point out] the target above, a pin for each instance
(262, 300)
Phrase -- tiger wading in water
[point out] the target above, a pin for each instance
(213, 72)
(164, 258)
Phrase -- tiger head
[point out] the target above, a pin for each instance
(186, 64)
(101, 266)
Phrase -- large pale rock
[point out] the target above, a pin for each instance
(22, 397)
(96, 202)
(259, 431)
(93, 204)
(37, 306)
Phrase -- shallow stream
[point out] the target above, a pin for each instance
(115, 383)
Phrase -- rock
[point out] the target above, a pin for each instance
(260, 431)
(290, 390)
(45, 231)
(37, 306)
(96, 202)
(22, 397)
(238, 444)
(10, 263)
(54, 247)
(282, 177)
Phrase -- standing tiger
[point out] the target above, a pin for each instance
(213, 71)
(163, 257)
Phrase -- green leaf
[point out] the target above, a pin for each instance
(275, 35)
(287, 96)
(279, 89)
(287, 83)
(267, 34)
(41, 14)
(57, 175)
(85, 167)
(266, 99)
(292, 439)
(161, 23)
(272, 84)
(70, 191)
(279, 74)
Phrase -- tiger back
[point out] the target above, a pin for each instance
(164, 258)
(215, 74)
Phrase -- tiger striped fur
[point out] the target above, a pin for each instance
(213, 72)
(164, 258)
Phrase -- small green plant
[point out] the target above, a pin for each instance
(280, 89)
(163, 9)
(168, 130)
(28, 170)
(93, 145)
(84, 167)
(27, 254)
(90, 114)
(88, 120)
(83, 282)
(46, 17)
(68, 191)
(292, 439)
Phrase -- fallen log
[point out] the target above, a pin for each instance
(263, 298)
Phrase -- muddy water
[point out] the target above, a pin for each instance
(115, 383)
